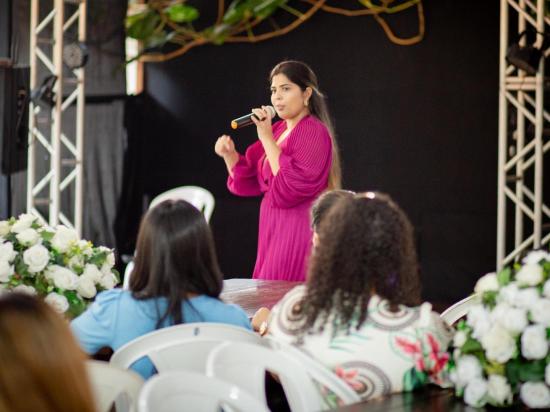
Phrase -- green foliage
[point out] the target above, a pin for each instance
(141, 26)
(504, 276)
(521, 370)
(490, 298)
(76, 304)
(182, 13)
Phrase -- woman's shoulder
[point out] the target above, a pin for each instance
(215, 310)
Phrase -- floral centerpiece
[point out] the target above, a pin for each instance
(501, 349)
(53, 263)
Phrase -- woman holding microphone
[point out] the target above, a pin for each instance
(293, 161)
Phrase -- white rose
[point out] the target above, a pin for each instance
(76, 261)
(514, 320)
(547, 374)
(533, 342)
(460, 338)
(534, 257)
(499, 390)
(475, 392)
(525, 298)
(92, 272)
(499, 345)
(487, 283)
(478, 319)
(27, 290)
(535, 395)
(108, 281)
(86, 287)
(61, 277)
(4, 228)
(58, 302)
(28, 237)
(6, 270)
(110, 259)
(36, 258)
(24, 222)
(467, 369)
(64, 238)
(529, 275)
(508, 293)
(6, 252)
(540, 312)
(546, 289)
(85, 247)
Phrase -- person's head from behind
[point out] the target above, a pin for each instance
(41, 365)
(321, 206)
(366, 247)
(176, 257)
(295, 92)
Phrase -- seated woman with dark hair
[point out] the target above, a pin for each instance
(41, 366)
(360, 312)
(176, 279)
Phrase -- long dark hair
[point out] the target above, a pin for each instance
(175, 257)
(366, 246)
(301, 74)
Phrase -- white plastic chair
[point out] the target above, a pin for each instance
(111, 384)
(317, 372)
(191, 391)
(245, 365)
(182, 347)
(199, 197)
(460, 309)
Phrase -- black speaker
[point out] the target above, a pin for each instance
(14, 118)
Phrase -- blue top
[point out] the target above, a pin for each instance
(115, 318)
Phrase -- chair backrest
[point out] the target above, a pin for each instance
(460, 308)
(182, 347)
(317, 372)
(113, 385)
(199, 197)
(191, 391)
(245, 365)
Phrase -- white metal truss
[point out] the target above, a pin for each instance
(521, 148)
(55, 154)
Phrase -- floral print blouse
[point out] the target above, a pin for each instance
(391, 352)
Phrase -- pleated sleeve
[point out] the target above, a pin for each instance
(304, 165)
(244, 181)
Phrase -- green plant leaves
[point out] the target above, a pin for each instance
(182, 13)
(267, 8)
(142, 25)
(521, 371)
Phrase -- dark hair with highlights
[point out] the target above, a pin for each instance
(301, 74)
(175, 257)
(366, 246)
(324, 203)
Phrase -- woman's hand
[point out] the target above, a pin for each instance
(224, 146)
(259, 320)
(262, 120)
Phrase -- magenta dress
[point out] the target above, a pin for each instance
(284, 239)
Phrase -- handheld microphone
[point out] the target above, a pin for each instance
(246, 120)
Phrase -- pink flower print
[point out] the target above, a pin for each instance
(439, 359)
(350, 377)
(414, 349)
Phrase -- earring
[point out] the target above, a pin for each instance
(306, 103)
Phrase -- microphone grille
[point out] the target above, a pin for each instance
(272, 111)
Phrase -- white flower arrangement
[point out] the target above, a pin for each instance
(501, 351)
(53, 263)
